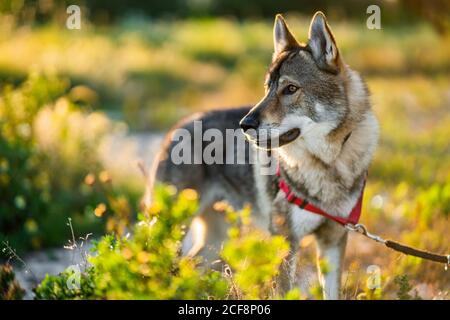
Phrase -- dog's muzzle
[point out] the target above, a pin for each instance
(248, 123)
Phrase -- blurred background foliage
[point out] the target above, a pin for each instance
(138, 67)
(49, 160)
(151, 63)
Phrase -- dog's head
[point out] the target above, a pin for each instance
(305, 87)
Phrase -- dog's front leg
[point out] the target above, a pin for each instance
(331, 251)
(280, 225)
(287, 273)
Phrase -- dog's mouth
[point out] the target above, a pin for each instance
(289, 136)
(279, 141)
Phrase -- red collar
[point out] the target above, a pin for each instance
(353, 217)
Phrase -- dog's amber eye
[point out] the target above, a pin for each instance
(290, 89)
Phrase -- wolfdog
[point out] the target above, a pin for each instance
(318, 111)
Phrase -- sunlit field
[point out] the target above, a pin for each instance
(87, 87)
(153, 72)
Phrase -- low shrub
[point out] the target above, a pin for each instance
(148, 264)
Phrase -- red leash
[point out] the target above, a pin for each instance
(353, 217)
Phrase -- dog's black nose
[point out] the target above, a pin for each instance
(249, 123)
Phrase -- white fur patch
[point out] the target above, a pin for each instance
(262, 217)
(304, 222)
(313, 138)
(319, 107)
(330, 281)
(195, 238)
(359, 94)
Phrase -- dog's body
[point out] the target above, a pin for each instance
(328, 135)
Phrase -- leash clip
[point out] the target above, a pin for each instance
(360, 228)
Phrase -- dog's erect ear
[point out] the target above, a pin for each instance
(283, 39)
(322, 44)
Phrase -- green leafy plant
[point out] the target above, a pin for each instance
(404, 288)
(254, 258)
(57, 288)
(148, 264)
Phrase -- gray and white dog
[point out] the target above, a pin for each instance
(318, 111)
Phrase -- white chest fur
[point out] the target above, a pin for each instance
(304, 222)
